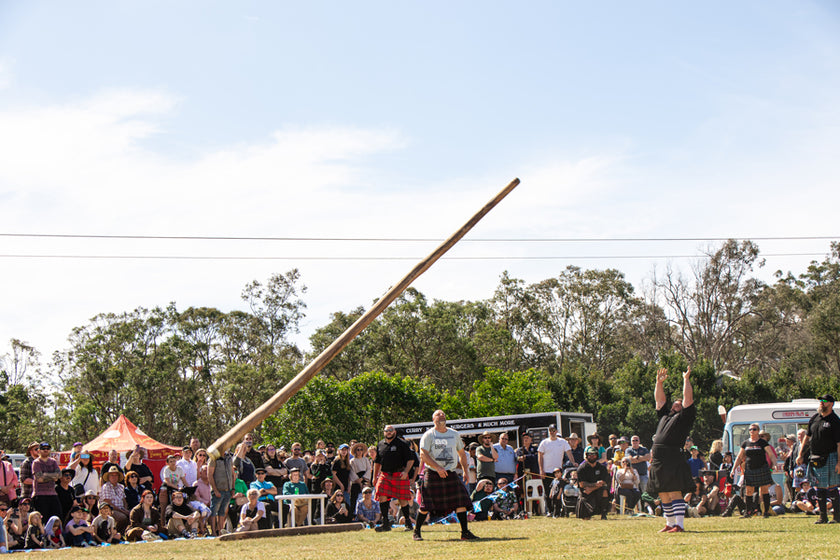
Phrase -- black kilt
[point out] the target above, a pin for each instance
(669, 471)
(441, 496)
(758, 477)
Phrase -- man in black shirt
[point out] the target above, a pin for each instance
(823, 439)
(394, 459)
(527, 460)
(670, 475)
(594, 481)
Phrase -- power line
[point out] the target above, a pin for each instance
(346, 258)
(419, 239)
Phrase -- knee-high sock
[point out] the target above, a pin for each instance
(822, 496)
(668, 513)
(765, 498)
(421, 518)
(834, 494)
(749, 502)
(679, 511)
(462, 519)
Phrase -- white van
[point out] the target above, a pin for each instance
(777, 419)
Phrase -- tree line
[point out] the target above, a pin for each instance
(584, 340)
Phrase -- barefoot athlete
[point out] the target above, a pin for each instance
(670, 475)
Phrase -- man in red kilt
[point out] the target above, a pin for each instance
(393, 462)
(443, 491)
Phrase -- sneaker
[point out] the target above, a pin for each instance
(468, 536)
(676, 529)
(409, 527)
(665, 529)
(821, 521)
(382, 528)
(185, 534)
(417, 536)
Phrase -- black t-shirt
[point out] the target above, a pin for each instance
(393, 455)
(341, 473)
(183, 509)
(674, 427)
(756, 457)
(66, 497)
(593, 473)
(824, 432)
(530, 459)
(143, 470)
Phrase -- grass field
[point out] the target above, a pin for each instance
(788, 536)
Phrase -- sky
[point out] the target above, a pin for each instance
(392, 121)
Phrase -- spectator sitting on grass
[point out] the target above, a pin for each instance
(104, 526)
(252, 516)
(367, 510)
(506, 505)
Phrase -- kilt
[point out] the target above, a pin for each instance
(825, 476)
(441, 496)
(669, 471)
(758, 477)
(392, 485)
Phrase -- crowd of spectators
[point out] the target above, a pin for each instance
(50, 505)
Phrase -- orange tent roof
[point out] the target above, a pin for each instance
(124, 436)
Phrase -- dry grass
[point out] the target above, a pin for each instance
(786, 536)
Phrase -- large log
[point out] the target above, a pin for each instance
(290, 531)
(274, 403)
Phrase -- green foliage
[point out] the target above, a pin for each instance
(354, 409)
(510, 392)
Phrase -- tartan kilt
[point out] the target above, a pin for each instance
(758, 477)
(441, 496)
(392, 485)
(825, 477)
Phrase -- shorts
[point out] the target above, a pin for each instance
(218, 506)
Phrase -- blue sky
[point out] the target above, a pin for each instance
(385, 119)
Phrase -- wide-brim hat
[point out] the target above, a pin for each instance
(114, 469)
(573, 435)
(488, 434)
(590, 437)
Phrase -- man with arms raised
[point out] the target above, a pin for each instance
(824, 439)
(670, 475)
(393, 462)
(442, 490)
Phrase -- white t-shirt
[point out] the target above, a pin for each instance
(442, 447)
(190, 469)
(554, 453)
(171, 478)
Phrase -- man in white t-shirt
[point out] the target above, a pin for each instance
(187, 465)
(443, 491)
(551, 455)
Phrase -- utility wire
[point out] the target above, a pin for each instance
(345, 258)
(416, 239)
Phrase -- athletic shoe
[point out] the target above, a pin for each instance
(468, 536)
(665, 529)
(382, 528)
(417, 536)
(676, 529)
(409, 527)
(821, 521)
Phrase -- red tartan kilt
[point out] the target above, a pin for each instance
(392, 485)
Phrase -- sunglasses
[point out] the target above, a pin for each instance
(4, 509)
(753, 429)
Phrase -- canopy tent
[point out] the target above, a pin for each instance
(123, 436)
